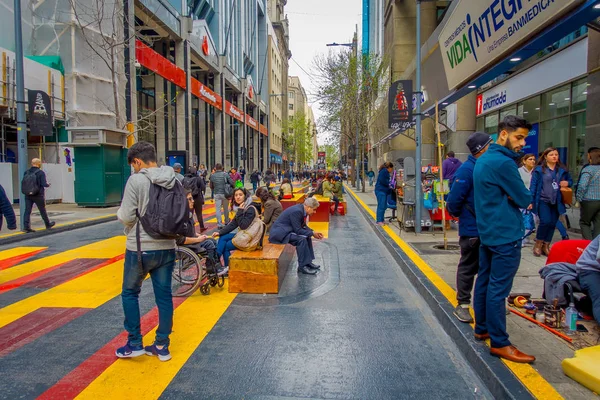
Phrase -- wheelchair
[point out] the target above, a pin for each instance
(195, 267)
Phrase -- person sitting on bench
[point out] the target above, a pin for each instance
(291, 228)
(588, 267)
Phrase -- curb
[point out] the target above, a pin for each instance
(499, 380)
(18, 237)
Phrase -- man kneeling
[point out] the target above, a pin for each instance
(291, 228)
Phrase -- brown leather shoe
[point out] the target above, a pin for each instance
(511, 353)
(537, 248)
(482, 337)
(546, 249)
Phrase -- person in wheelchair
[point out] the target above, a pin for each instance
(204, 246)
(588, 268)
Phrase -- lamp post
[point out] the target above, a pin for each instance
(357, 163)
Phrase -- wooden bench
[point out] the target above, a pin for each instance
(297, 198)
(260, 271)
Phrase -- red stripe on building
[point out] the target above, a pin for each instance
(83, 375)
(251, 122)
(35, 325)
(12, 261)
(233, 111)
(204, 93)
(264, 130)
(150, 59)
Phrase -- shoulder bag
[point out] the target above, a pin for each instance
(250, 239)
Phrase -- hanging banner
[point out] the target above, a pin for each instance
(321, 160)
(478, 33)
(40, 113)
(399, 108)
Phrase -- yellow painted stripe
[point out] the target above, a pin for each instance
(88, 291)
(147, 377)
(79, 221)
(320, 227)
(18, 251)
(108, 248)
(533, 381)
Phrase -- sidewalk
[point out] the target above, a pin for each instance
(549, 349)
(65, 216)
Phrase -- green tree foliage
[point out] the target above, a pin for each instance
(332, 155)
(297, 140)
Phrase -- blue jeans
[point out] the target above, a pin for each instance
(159, 264)
(371, 180)
(221, 202)
(254, 186)
(590, 282)
(562, 229)
(224, 247)
(548, 214)
(381, 205)
(498, 266)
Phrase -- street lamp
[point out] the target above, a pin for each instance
(354, 46)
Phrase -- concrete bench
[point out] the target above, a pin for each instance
(260, 271)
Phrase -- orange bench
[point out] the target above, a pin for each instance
(297, 198)
(259, 271)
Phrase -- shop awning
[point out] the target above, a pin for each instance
(276, 159)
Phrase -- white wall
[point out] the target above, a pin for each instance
(60, 177)
(6, 179)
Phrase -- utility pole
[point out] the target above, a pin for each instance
(21, 117)
(418, 133)
(357, 162)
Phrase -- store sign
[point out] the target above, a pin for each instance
(321, 160)
(479, 33)
(263, 129)
(202, 92)
(233, 111)
(490, 100)
(251, 122)
(531, 141)
(399, 110)
(150, 59)
(40, 113)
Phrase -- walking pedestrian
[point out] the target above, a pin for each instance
(382, 190)
(6, 211)
(203, 174)
(254, 180)
(371, 176)
(547, 179)
(145, 255)
(177, 168)
(235, 175)
(450, 165)
(218, 180)
(526, 170)
(588, 195)
(196, 185)
(499, 193)
(33, 186)
(243, 174)
(461, 203)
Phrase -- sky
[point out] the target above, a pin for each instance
(313, 24)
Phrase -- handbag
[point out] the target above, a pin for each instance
(567, 195)
(250, 239)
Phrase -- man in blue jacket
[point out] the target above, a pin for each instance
(7, 211)
(499, 193)
(461, 203)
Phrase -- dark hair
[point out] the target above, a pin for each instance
(450, 154)
(595, 157)
(218, 167)
(142, 151)
(542, 161)
(511, 123)
(286, 180)
(525, 157)
(246, 194)
(264, 194)
(592, 149)
(387, 165)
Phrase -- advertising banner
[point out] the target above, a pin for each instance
(478, 33)
(40, 113)
(321, 160)
(399, 108)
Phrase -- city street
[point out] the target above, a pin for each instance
(359, 329)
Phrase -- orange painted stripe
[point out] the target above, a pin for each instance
(12, 261)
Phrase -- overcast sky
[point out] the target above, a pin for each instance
(313, 24)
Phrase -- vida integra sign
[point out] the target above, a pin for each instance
(480, 32)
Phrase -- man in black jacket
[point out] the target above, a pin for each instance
(197, 186)
(7, 211)
(38, 198)
(291, 228)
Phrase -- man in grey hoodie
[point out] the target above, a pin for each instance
(158, 256)
(218, 180)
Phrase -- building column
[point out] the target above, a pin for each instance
(160, 97)
(464, 124)
(592, 133)
(220, 130)
(182, 99)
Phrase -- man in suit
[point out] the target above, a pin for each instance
(291, 228)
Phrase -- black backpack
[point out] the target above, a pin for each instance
(167, 214)
(30, 185)
(190, 183)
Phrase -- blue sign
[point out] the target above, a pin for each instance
(531, 143)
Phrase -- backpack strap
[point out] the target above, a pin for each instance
(138, 240)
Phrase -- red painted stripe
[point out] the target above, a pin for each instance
(34, 325)
(66, 272)
(12, 261)
(5, 287)
(83, 375)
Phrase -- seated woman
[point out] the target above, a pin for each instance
(285, 190)
(271, 207)
(245, 213)
(329, 190)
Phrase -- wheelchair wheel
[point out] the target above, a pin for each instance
(205, 289)
(188, 272)
(221, 282)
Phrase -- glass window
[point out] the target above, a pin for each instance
(491, 123)
(577, 144)
(555, 133)
(510, 110)
(556, 102)
(579, 95)
(291, 107)
(530, 110)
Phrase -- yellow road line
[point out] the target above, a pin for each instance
(79, 221)
(18, 251)
(533, 381)
(104, 249)
(147, 377)
(88, 291)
